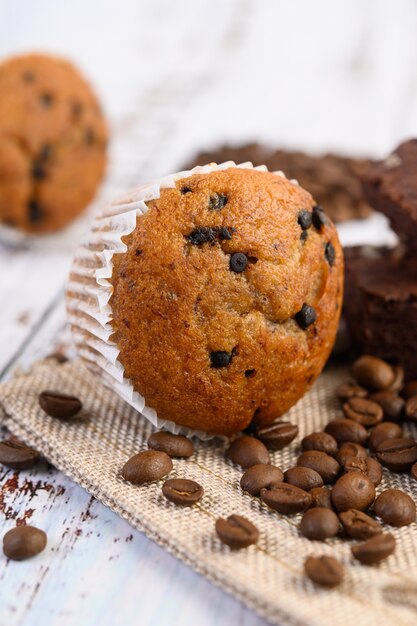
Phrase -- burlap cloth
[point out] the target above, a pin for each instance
(267, 577)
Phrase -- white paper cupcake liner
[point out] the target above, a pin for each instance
(89, 289)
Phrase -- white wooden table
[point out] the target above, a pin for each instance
(174, 77)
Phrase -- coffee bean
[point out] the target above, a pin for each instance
(182, 491)
(238, 262)
(395, 507)
(176, 446)
(23, 542)
(322, 463)
(303, 477)
(413, 471)
(306, 316)
(364, 411)
(391, 403)
(319, 441)
(375, 549)
(247, 451)
(17, 455)
(220, 358)
(319, 217)
(373, 373)
(319, 523)
(374, 470)
(324, 570)
(329, 253)
(348, 449)
(277, 435)
(146, 467)
(410, 389)
(321, 497)
(305, 219)
(58, 404)
(369, 466)
(259, 476)
(351, 390)
(286, 498)
(217, 201)
(236, 532)
(398, 455)
(347, 430)
(398, 382)
(358, 525)
(382, 432)
(352, 463)
(353, 490)
(411, 409)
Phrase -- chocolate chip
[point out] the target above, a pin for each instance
(304, 236)
(236, 532)
(220, 358)
(305, 219)
(306, 316)
(35, 211)
(247, 451)
(319, 441)
(238, 262)
(330, 254)
(324, 570)
(375, 549)
(89, 136)
(185, 190)
(359, 525)
(15, 454)
(319, 217)
(28, 77)
(59, 405)
(285, 498)
(260, 476)
(217, 201)
(176, 446)
(395, 507)
(224, 233)
(277, 435)
(146, 467)
(46, 99)
(353, 490)
(201, 235)
(319, 523)
(77, 109)
(250, 373)
(398, 455)
(182, 491)
(23, 542)
(38, 168)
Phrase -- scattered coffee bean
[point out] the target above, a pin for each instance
(353, 490)
(23, 542)
(236, 532)
(347, 430)
(395, 507)
(17, 455)
(277, 435)
(306, 316)
(351, 390)
(217, 201)
(238, 262)
(329, 253)
(375, 549)
(220, 358)
(319, 217)
(373, 373)
(319, 523)
(348, 449)
(413, 471)
(364, 411)
(398, 382)
(352, 463)
(359, 525)
(305, 219)
(286, 498)
(410, 389)
(391, 403)
(146, 467)
(59, 405)
(321, 497)
(319, 441)
(322, 463)
(324, 570)
(247, 451)
(182, 491)
(398, 455)
(259, 476)
(176, 446)
(411, 409)
(382, 432)
(374, 470)
(303, 477)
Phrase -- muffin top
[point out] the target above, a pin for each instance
(226, 302)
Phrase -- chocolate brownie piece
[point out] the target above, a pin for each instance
(390, 186)
(380, 305)
(331, 179)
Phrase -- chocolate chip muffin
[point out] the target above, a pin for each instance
(226, 300)
(52, 143)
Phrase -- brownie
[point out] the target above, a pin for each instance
(380, 304)
(332, 180)
(390, 186)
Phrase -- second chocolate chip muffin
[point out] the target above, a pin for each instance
(227, 299)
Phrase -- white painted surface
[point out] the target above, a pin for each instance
(176, 76)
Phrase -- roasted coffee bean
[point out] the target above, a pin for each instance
(358, 525)
(176, 446)
(277, 435)
(303, 477)
(59, 405)
(286, 498)
(259, 476)
(410, 389)
(351, 390)
(369, 466)
(220, 358)
(398, 455)
(321, 497)
(353, 490)
(373, 373)
(364, 411)
(23, 542)
(236, 532)
(374, 470)
(395, 507)
(375, 549)
(329, 253)
(247, 451)
(382, 432)
(413, 471)
(147, 466)
(238, 262)
(17, 455)
(353, 464)
(398, 382)
(324, 570)
(347, 430)
(348, 449)
(217, 201)
(306, 316)
(319, 441)
(411, 409)
(391, 403)
(319, 217)
(319, 523)
(182, 491)
(305, 219)
(322, 463)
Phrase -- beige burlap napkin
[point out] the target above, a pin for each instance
(267, 577)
